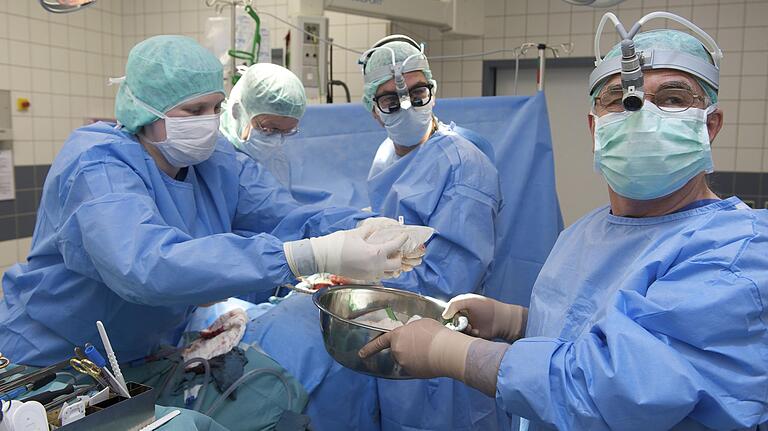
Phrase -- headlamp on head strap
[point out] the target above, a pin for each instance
(397, 70)
(631, 63)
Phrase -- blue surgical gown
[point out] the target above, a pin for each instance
(446, 183)
(647, 324)
(117, 240)
(449, 184)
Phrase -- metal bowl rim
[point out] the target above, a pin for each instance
(323, 291)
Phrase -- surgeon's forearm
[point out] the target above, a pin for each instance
(311, 221)
(482, 365)
(171, 271)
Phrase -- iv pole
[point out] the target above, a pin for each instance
(219, 5)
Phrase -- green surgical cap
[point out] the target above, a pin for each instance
(383, 58)
(263, 89)
(162, 72)
(667, 40)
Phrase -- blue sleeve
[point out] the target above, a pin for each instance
(264, 205)
(460, 253)
(693, 351)
(112, 231)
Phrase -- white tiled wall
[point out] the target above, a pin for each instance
(739, 26)
(60, 63)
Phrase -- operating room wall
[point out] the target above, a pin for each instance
(739, 26)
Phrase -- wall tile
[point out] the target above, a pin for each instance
(559, 24)
(39, 32)
(756, 39)
(18, 28)
(756, 13)
(22, 247)
(754, 87)
(42, 80)
(537, 25)
(751, 136)
(40, 56)
(5, 75)
(5, 56)
(8, 253)
(582, 23)
(705, 15)
(749, 160)
(19, 53)
(751, 112)
(20, 79)
(731, 15)
(731, 39)
(537, 6)
(20, 8)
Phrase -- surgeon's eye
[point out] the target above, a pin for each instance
(674, 99)
(611, 101)
(421, 95)
(388, 103)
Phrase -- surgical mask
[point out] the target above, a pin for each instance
(407, 127)
(188, 140)
(268, 150)
(650, 153)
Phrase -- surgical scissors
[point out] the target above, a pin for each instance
(87, 367)
(4, 362)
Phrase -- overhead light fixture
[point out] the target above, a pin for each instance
(594, 3)
(65, 6)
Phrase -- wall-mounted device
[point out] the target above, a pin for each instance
(6, 131)
(308, 57)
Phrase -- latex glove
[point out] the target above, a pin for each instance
(489, 318)
(345, 253)
(413, 250)
(425, 349)
(377, 222)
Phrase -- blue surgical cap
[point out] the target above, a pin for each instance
(383, 58)
(667, 40)
(264, 88)
(162, 72)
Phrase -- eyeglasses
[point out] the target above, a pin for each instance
(667, 99)
(420, 95)
(269, 131)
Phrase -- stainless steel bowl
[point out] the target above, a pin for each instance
(343, 337)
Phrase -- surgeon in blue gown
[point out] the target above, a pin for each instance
(263, 108)
(429, 173)
(650, 313)
(142, 221)
(435, 177)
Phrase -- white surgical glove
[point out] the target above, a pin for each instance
(345, 253)
(413, 250)
(378, 222)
